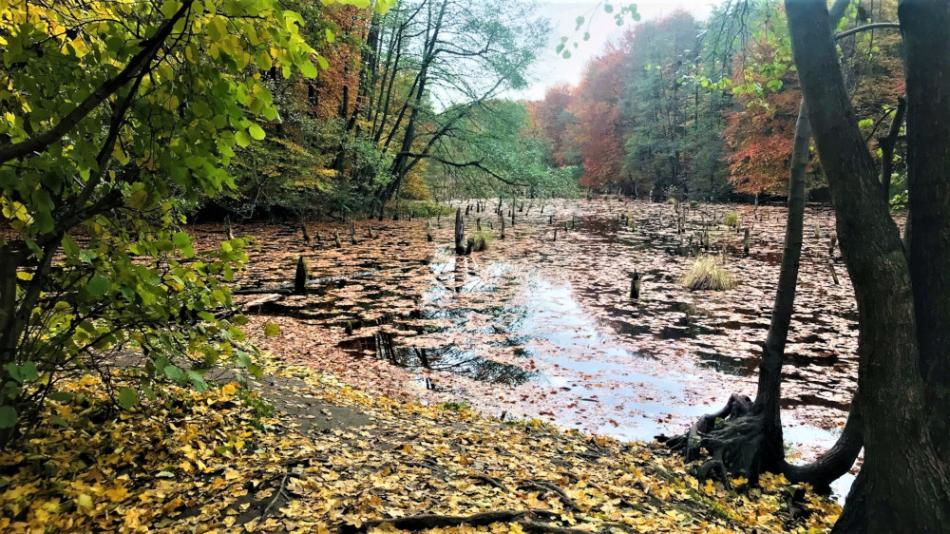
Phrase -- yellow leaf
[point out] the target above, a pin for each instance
(84, 501)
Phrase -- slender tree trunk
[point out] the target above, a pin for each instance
(904, 485)
(768, 394)
(888, 144)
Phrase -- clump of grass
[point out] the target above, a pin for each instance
(731, 219)
(481, 240)
(706, 273)
(456, 406)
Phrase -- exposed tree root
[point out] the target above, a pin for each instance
(548, 487)
(734, 437)
(736, 440)
(835, 462)
(527, 519)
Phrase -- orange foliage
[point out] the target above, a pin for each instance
(760, 138)
(598, 128)
(350, 25)
(551, 117)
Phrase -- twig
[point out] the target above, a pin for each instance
(277, 494)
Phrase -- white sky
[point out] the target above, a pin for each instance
(552, 69)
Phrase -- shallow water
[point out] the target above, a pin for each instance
(535, 327)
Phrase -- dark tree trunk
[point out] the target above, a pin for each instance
(459, 232)
(904, 485)
(925, 26)
(748, 438)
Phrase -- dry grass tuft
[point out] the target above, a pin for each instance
(706, 273)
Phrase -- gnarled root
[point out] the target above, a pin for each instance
(735, 438)
(835, 462)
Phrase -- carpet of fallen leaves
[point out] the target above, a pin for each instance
(326, 457)
(538, 326)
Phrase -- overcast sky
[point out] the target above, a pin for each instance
(551, 69)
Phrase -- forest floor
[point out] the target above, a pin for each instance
(324, 457)
(409, 383)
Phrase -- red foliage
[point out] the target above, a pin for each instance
(552, 119)
(598, 127)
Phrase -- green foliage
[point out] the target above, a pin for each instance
(130, 114)
(481, 240)
(514, 161)
(731, 219)
(706, 273)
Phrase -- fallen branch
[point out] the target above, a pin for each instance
(525, 518)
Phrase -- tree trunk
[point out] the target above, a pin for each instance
(749, 441)
(925, 26)
(905, 485)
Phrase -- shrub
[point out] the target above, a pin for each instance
(707, 273)
(731, 219)
(482, 239)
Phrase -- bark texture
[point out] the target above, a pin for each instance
(925, 26)
(904, 485)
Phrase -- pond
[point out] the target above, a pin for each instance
(541, 323)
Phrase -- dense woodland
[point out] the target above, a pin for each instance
(134, 394)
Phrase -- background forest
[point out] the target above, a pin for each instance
(412, 106)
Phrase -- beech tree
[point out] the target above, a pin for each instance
(116, 118)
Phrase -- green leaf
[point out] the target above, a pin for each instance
(308, 69)
(170, 7)
(174, 373)
(8, 416)
(98, 286)
(330, 35)
(242, 139)
(127, 398)
(257, 133)
(271, 329)
(22, 373)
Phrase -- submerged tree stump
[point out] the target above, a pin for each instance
(336, 240)
(746, 238)
(227, 224)
(502, 236)
(635, 281)
(459, 233)
(300, 277)
(353, 233)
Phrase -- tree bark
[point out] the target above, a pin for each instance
(906, 486)
(925, 26)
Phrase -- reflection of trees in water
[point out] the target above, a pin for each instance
(450, 359)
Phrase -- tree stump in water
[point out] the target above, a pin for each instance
(502, 236)
(459, 233)
(745, 241)
(336, 239)
(478, 224)
(353, 233)
(227, 225)
(306, 234)
(300, 277)
(555, 234)
(551, 219)
(635, 286)
(428, 232)
(512, 215)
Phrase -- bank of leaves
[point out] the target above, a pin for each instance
(224, 459)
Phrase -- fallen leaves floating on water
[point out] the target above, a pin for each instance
(329, 458)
